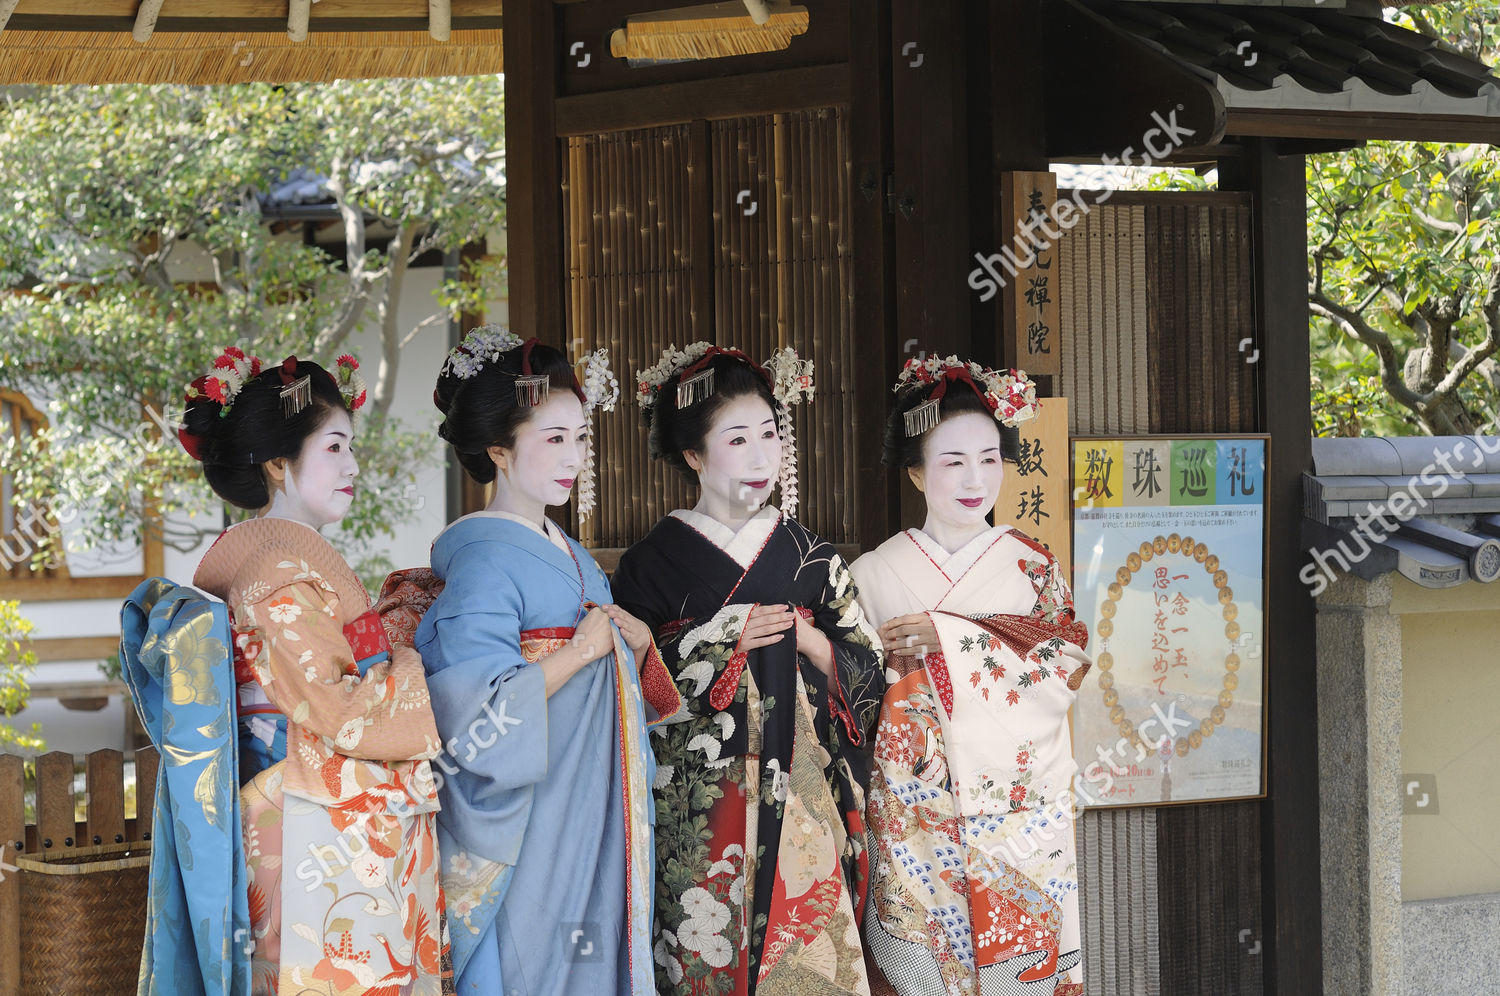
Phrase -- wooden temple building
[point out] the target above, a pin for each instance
(841, 176)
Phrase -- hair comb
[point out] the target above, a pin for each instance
(531, 390)
(922, 418)
(691, 390)
(296, 396)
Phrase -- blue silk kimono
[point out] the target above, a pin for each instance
(545, 832)
(175, 655)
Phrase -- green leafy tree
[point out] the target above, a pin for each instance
(1404, 267)
(111, 198)
(16, 662)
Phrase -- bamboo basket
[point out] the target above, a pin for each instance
(83, 919)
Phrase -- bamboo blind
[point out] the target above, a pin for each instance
(1117, 901)
(1156, 304)
(1103, 321)
(1201, 305)
(773, 193)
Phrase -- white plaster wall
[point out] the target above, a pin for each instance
(1450, 728)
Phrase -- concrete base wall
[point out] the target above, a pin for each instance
(1451, 945)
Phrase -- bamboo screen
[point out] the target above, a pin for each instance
(1156, 303)
(771, 194)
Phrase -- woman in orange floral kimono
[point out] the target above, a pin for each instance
(338, 803)
(973, 885)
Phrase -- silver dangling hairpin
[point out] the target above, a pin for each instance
(296, 396)
(695, 388)
(923, 418)
(531, 390)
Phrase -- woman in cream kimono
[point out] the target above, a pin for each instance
(339, 805)
(973, 875)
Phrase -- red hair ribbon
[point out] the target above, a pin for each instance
(962, 373)
(526, 367)
(713, 351)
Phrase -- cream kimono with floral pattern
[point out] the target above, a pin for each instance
(340, 836)
(973, 878)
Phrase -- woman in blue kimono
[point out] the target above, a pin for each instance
(537, 685)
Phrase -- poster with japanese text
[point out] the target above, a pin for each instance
(1169, 539)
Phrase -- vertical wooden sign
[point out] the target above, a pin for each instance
(1034, 495)
(1026, 267)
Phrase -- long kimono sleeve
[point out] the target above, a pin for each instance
(857, 684)
(308, 671)
(490, 703)
(1069, 637)
(701, 657)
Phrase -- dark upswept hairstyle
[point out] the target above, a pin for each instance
(672, 431)
(901, 451)
(234, 445)
(481, 411)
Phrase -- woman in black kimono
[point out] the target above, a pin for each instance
(759, 793)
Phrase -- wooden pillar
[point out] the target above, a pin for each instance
(1014, 78)
(533, 192)
(930, 188)
(1291, 884)
(930, 182)
(876, 349)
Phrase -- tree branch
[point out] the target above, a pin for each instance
(1482, 352)
(1379, 343)
(390, 304)
(1451, 227)
(353, 307)
(427, 322)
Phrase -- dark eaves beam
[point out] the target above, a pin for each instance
(1106, 93)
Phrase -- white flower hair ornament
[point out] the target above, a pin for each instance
(1006, 393)
(673, 361)
(788, 376)
(791, 383)
(600, 391)
(482, 345)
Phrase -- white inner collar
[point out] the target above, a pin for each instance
(743, 546)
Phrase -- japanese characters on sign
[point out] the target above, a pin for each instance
(1168, 574)
(1031, 297)
(1034, 493)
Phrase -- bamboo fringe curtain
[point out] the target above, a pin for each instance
(706, 38)
(241, 57)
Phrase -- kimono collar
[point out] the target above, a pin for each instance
(956, 563)
(236, 545)
(743, 546)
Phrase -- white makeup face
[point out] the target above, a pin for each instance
(740, 460)
(961, 471)
(319, 483)
(541, 469)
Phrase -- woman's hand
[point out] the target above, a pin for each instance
(913, 635)
(814, 644)
(592, 639)
(766, 625)
(637, 634)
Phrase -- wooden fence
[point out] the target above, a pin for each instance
(57, 828)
